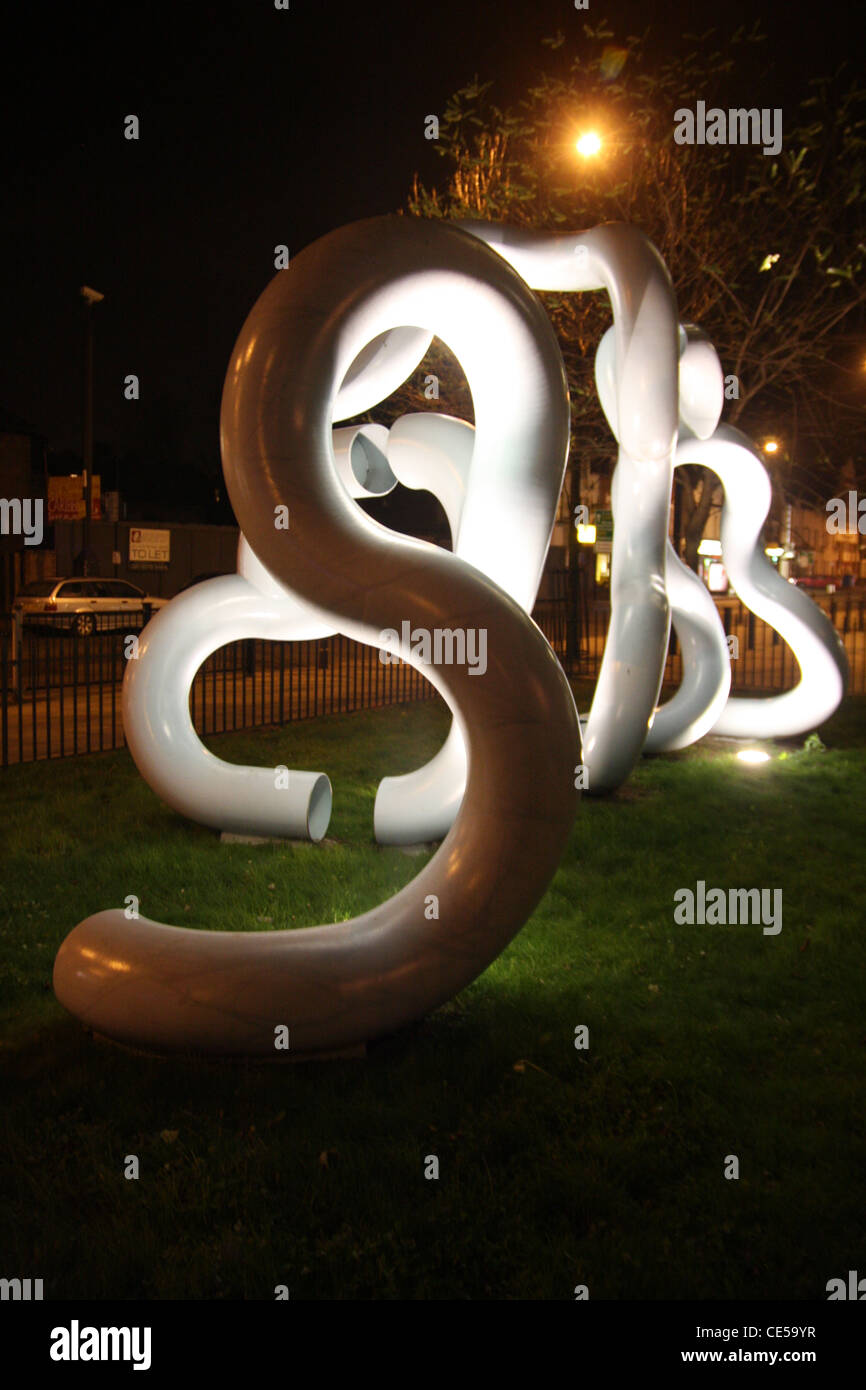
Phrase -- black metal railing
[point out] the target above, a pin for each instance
(760, 660)
(60, 689)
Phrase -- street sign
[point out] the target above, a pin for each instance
(603, 525)
(149, 550)
(66, 498)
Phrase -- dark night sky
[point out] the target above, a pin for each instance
(258, 127)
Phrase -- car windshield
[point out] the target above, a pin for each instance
(38, 588)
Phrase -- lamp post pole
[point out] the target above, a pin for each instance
(90, 298)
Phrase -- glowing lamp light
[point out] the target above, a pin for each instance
(752, 755)
(586, 535)
(589, 144)
(710, 547)
(771, 446)
(775, 552)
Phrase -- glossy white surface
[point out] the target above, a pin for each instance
(648, 368)
(329, 339)
(703, 701)
(156, 716)
(500, 525)
(799, 622)
(701, 697)
(637, 379)
(171, 988)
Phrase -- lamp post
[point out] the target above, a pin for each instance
(90, 297)
(588, 145)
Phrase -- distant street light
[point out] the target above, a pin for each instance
(771, 446)
(589, 144)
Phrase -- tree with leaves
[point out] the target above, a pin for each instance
(767, 253)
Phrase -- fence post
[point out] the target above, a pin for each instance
(17, 645)
(573, 613)
(5, 643)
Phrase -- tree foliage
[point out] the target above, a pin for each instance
(767, 253)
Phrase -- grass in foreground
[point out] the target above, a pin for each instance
(558, 1167)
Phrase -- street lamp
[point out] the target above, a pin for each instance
(588, 144)
(771, 446)
(90, 297)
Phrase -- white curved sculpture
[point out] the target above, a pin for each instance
(642, 391)
(329, 339)
(253, 603)
(703, 691)
(799, 622)
(694, 709)
(435, 452)
(643, 368)
(171, 988)
(501, 521)
(702, 703)
(508, 539)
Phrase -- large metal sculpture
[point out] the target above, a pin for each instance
(650, 583)
(327, 340)
(636, 378)
(171, 988)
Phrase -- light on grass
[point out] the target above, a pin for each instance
(753, 755)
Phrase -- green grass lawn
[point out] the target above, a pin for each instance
(558, 1167)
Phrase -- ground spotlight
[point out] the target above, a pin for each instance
(753, 755)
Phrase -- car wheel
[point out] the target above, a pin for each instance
(84, 624)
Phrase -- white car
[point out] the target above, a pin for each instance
(83, 605)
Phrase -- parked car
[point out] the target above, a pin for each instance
(83, 605)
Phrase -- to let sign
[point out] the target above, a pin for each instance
(149, 550)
